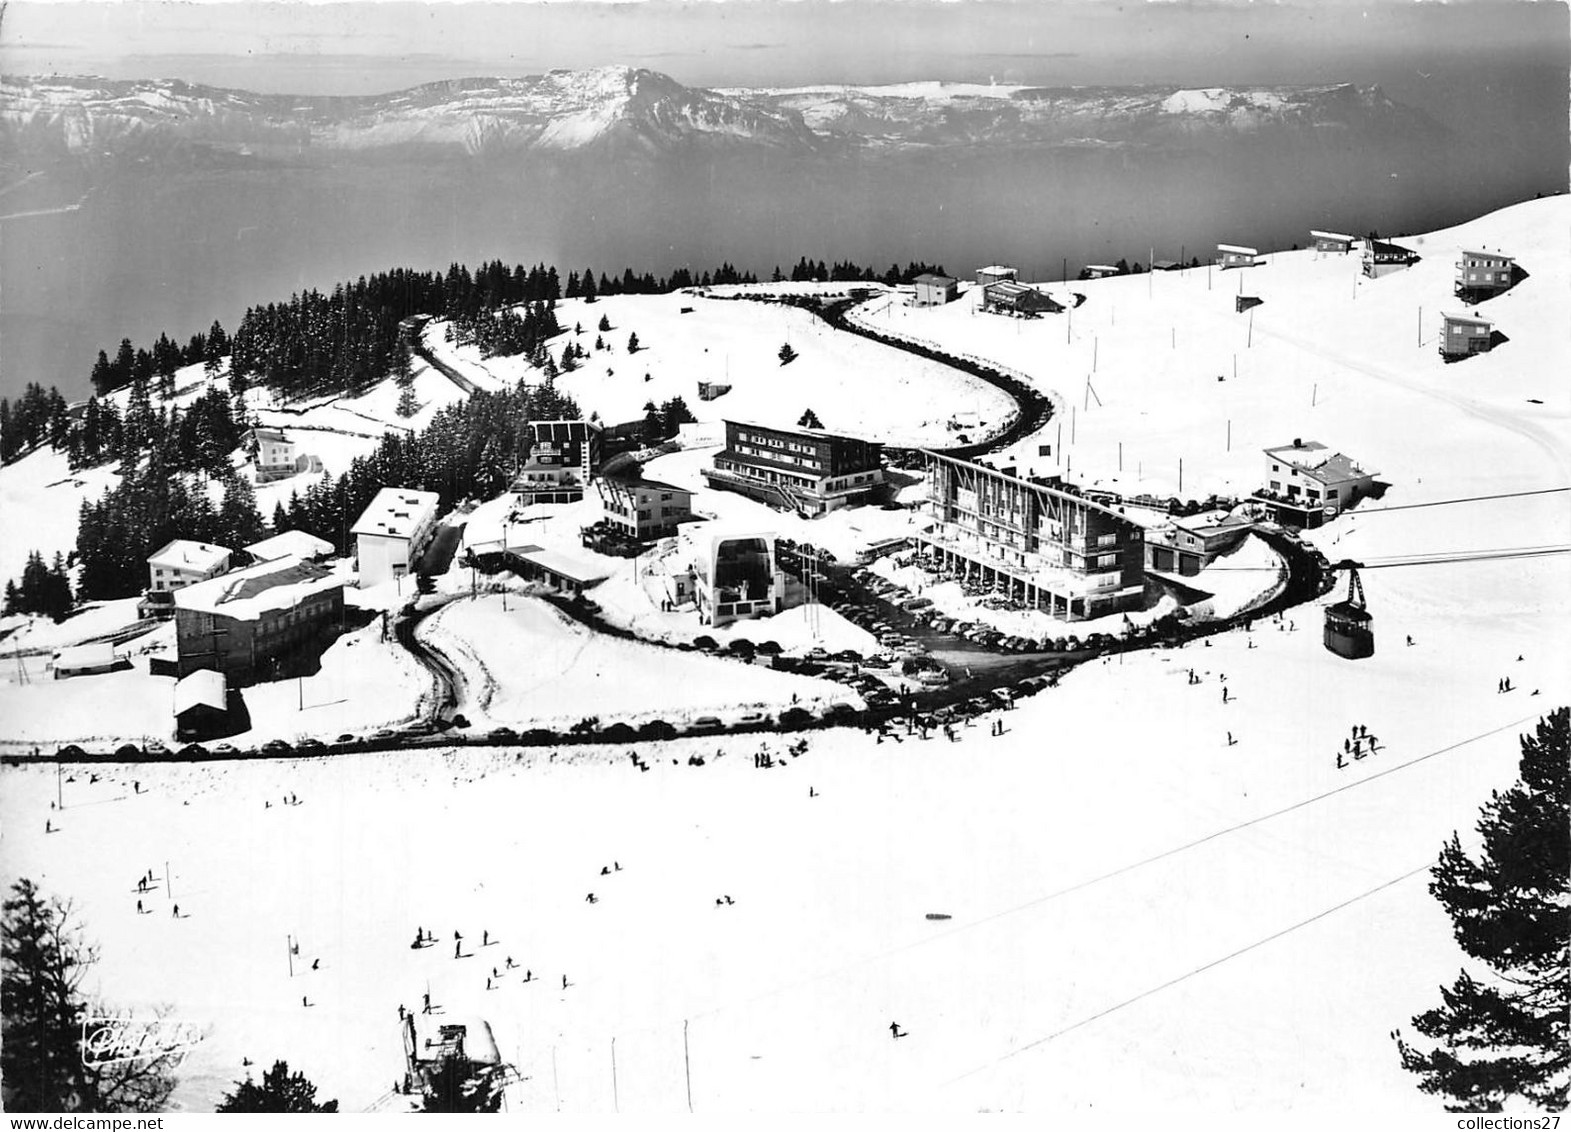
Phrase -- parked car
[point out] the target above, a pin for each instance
(156, 750)
(70, 751)
(1003, 696)
(502, 735)
(225, 749)
(838, 711)
(753, 719)
(705, 725)
(310, 746)
(128, 751)
(193, 751)
(932, 677)
(276, 747)
(816, 654)
(795, 717)
(916, 603)
(656, 729)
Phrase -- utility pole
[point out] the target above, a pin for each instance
(1180, 474)
(169, 887)
(616, 1099)
(1420, 328)
(687, 1066)
(1229, 434)
(1249, 342)
(59, 786)
(289, 950)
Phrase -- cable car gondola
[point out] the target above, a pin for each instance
(1349, 628)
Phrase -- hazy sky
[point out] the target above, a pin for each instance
(367, 47)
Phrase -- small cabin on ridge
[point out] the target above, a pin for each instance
(1236, 255)
(1329, 242)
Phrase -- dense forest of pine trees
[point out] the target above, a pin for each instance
(469, 450)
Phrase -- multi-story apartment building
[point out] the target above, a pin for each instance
(181, 562)
(392, 532)
(808, 471)
(643, 509)
(563, 455)
(1042, 544)
(249, 624)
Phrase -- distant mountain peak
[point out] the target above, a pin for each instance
(632, 111)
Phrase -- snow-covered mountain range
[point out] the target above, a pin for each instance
(634, 111)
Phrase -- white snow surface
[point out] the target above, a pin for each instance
(1234, 924)
(853, 384)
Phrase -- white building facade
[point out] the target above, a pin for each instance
(392, 532)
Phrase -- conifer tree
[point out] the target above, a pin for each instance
(43, 964)
(280, 1091)
(1507, 1035)
(787, 354)
(407, 406)
(809, 419)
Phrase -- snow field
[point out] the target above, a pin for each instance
(853, 384)
(530, 665)
(827, 941)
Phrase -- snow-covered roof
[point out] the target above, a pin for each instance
(653, 485)
(1318, 462)
(934, 280)
(204, 687)
(996, 269)
(396, 512)
(1476, 319)
(1100, 267)
(287, 543)
(1237, 249)
(1489, 255)
(275, 435)
(268, 586)
(183, 554)
(1386, 247)
(1343, 236)
(1205, 521)
(565, 566)
(802, 430)
(98, 655)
